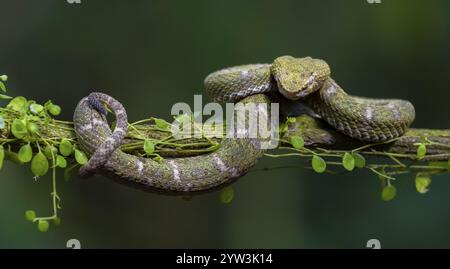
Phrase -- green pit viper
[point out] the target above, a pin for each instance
(306, 80)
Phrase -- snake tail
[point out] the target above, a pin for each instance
(100, 150)
(232, 159)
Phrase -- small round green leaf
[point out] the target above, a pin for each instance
(39, 164)
(61, 161)
(65, 147)
(32, 128)
(56, 221)
(25, 153)
(348, 161)
(2, 156)
(36, 108)
(423, 182)
(297, 142)
(4, 78)
(13, 156)
(360, 161)
(2, 86)
(80, 157)
(48, 150)
(226, 195)
(421, 151)
(19, 104)
(55, 110)
(158, 159)
(19, 129)
(162, 124)
(30, 215)
(389, 192)
(43, 226)
(149, 146)
(318, 164)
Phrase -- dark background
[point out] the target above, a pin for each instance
(151, 54)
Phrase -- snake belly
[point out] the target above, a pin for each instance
(365, 119)
(178, 175)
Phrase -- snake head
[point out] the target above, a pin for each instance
(299, 77)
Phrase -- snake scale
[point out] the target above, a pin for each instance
(306, 80)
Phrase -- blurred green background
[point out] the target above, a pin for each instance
(151, 54)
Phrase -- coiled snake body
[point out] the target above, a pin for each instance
(304, 79)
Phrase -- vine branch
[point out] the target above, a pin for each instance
(30, 133)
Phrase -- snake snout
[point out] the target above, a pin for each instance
(299, 77)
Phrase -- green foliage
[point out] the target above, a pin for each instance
(388, 193)
(12, 156)
(2, 122)
(360, 161)
(23, 118)
(149, 147)
(423, 182)
(5, 97)
(30, 215)
(348, 161)
(19, 129)
(2, 86)
(36, 108)
(421, 151)
(61, 161)
(297, 142)
(226, 195)
(32, 128)
(53, 109)
(18, 104)
(39, 164)
(80, 157)
(183, 118)
(318, 164)
(25, 153)
(65, 147)
(43, 226)
(283, 128)
(162, 124)
(291, 120)
(3, 78)
(2, 156)
(50, 151)
(56, 221)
